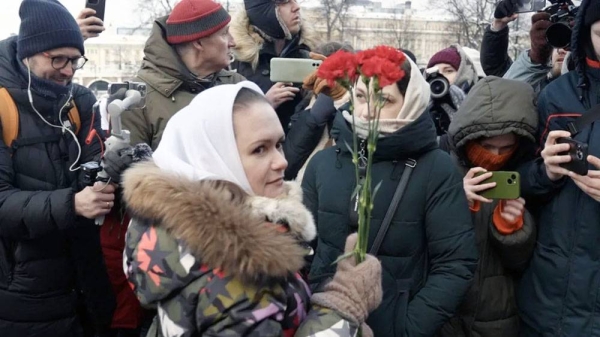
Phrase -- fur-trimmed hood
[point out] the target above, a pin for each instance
(249, 43)
(210, 224)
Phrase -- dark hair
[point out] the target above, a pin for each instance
(403, 83)
(247, 96)
(331, 47)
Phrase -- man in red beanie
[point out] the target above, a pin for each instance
(186, 53)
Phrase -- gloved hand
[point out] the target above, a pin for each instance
(505, 9)
(116, 162)
(540, 48)
(319, 85)
(355, 289)
(323, 109)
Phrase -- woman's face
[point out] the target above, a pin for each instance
(259, 137)
(595, 34)
(392, 100)
(448, 71)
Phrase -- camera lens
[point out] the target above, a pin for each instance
(510, 181)
(439, 88)
(514, 177)
(558, 35)
(579, 155)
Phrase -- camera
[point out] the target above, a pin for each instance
(562, 15)
(438, 84)
(90, 172)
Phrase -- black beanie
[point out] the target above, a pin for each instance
(264, 16)
(592, 13)
(46, 25)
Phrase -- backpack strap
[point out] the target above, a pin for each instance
(584, 120)
(9, 117)
(387, 220)
(74, 117)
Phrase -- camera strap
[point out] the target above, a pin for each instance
(584, 120)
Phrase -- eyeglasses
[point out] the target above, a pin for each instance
(60, 62)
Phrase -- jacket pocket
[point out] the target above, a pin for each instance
(401, 307)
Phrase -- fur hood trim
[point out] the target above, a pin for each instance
(221, 225)
(249, 43)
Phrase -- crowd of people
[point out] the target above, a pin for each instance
(239, 216)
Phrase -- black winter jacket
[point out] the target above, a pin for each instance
(50, 259)
(558, 295)
(494, 52)
(428, 255)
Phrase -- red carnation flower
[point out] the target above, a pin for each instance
(339, 67)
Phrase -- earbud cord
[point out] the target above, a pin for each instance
(63, 127)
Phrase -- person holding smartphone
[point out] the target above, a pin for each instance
(265, 29)
(558, 293)
(488, 134)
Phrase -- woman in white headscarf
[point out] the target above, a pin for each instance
(218, 237)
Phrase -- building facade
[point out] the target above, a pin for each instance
(117, 54)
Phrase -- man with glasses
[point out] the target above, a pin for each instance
(52, 278)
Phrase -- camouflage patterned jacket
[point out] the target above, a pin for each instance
(202, 253)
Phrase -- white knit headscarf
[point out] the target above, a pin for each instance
(199, 142)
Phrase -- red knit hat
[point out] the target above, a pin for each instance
(449, 55)
(191, 20)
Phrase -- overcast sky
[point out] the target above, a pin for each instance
(118, 13)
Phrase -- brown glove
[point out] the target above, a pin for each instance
(319, 85)
(540, 48)
(355, 289)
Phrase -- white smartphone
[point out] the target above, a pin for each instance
(292, 70)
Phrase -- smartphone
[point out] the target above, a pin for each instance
(578, 152)
(116, 86)
(524, 6)
(292, 70)
(98, 5)
(508, 185)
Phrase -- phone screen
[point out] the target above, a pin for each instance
(524, 6)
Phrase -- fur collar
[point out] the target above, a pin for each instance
(249, 43)
(221, 225)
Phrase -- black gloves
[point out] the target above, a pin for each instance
(323, 109)
(505, 8)
(116, 162)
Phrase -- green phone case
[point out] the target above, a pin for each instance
(508, 185)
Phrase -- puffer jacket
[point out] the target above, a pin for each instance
(171, 86)
(494, 52)
(490, 308)
(202, 253)
(52, 277)
(558, 294)
(253, 56)
(428, 255)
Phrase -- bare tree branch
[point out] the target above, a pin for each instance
(334, 12)
(150, 10)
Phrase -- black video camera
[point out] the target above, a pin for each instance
(562, 15)
(440, 94)
(438, 84)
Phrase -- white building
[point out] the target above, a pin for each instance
(112, 57)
